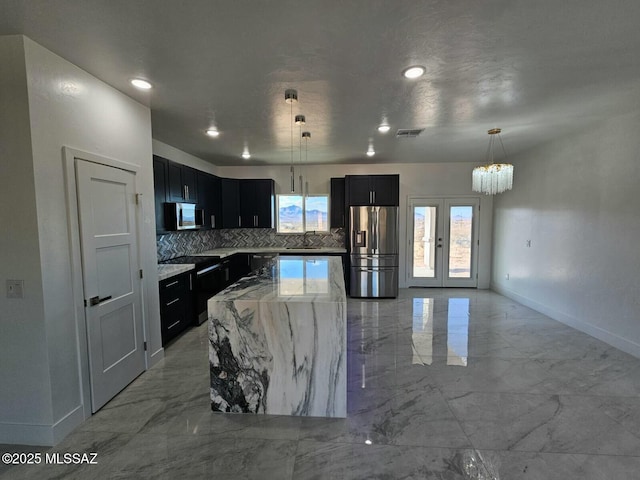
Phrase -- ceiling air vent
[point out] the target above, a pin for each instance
(409, 132)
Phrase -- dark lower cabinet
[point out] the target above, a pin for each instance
(176, 305)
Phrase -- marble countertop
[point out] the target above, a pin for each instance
(309, 279)
(170, 270)
(225, 252)
(278, 340)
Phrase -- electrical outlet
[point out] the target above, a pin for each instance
(529, 243)
(15, 288)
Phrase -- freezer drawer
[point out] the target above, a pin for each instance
(374, 282)
(374, 261)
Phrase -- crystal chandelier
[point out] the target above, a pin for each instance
(493, 178)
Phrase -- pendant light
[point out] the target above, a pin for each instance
(291, 97)
(493, 178)
(300, 120)
(306, 136)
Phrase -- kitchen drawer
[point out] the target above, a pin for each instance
(176, 305)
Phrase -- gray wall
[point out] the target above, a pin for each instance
(576, 200)
(57, 104)
(25, 396)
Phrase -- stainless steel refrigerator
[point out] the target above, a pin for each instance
(373, 251)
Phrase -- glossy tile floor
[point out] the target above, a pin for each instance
(443, 384)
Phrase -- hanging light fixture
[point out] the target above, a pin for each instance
(291, 97)
(306, 136)
(300, 120)
(493, 178)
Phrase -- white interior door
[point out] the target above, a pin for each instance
(107, 211)
(442, 242)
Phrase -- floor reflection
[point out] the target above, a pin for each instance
(452, 344)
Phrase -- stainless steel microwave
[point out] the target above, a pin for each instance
(182, 216)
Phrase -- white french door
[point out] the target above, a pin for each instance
(442, 242)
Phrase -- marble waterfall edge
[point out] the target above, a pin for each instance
(281, 351)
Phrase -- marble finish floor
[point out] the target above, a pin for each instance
(443, 384)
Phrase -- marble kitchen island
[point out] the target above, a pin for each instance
(278, 341)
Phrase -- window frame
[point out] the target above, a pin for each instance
(304, 213)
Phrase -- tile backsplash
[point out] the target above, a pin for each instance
(176, 244)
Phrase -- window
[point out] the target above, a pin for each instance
(298, 214)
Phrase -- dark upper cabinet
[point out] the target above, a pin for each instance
(181, 183)
(383, 190)
(209, 200)
(257, 203)
(337, 203)
(230, 199)
(160, 190)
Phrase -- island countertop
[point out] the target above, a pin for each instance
(277, 340)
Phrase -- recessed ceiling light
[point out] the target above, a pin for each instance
(246, 155)
(141, 84)
(384, 128)
(414, 71)
(213, 132)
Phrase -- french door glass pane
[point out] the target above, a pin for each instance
(424, 247)
(460, 239)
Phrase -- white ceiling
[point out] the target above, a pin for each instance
(536, 68)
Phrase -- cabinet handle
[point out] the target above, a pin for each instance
(226, 275)
(213, 221)
(187, 191)
(239, 221)
(255, 220)
(374, 197)
(172, 302)
(172, 284)
(173, 325)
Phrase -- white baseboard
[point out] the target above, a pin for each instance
(43, 435)
(621, 343)
(156, 357)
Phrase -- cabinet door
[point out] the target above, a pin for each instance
(182, 183)
(337, 203)
(209, 199)
(175, 187)
(385, 189)
(159, 190)
(189, 179)
(230, 199)
(359, 190)
(264, 203)
(248, 203)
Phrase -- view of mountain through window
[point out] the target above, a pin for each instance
(298, 214)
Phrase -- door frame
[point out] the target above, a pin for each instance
(70, 155)
(445, 201)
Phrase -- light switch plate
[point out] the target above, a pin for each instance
(15, 288)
